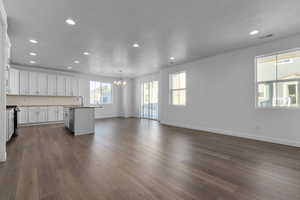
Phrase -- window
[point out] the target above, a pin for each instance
(178, 88)
(277, 79)
(100, 93)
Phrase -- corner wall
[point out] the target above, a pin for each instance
(221, 97)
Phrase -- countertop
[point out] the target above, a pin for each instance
(82, 107)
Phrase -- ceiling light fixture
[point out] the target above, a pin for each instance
(135, 45)
(32, 54)
(86, 53)
(120, 82)
(70, 21)
(172, 58)
(33, 41)
(76, 62)
(32, 62)
(69, 68)
(254, 32)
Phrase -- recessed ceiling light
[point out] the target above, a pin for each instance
(33, 41)
(76, 61)
(70, 21)
(172, 58)
(69, 68)
(86, 53)
(32, 62)
(254, 32)
(32, 54)
(136, 45)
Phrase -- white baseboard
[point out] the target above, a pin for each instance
(3, 157)
(107, 116)
(238, 134)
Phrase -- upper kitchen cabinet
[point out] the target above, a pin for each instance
(37, 83)
(52, 85)
(24, 82)
(74, 87)
(14, 81)
(68, 85)
(33, 84)
(42, 84)
(61, 86)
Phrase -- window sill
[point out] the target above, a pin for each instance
(177, 105)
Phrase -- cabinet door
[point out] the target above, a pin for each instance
(74, 87)
(60, 113)
(52, 85)
(68, 86)
(23, 115)
(7, 125)
(42, 84)
(52, 114)
(14, 81)
(61, 86)
(33, 83)
(33, 115)
(42, 114)
(11, 123)
(24, 83)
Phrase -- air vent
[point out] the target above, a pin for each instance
(266, 36)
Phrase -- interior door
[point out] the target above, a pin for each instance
(149, 100)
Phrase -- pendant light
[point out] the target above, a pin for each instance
(120, 82)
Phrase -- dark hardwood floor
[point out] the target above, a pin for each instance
(139, 160)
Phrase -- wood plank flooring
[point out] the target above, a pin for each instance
(133, 159)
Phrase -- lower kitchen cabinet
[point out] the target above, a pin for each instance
(23, 115)
(35, 115)
(9, 123)
(60, 113)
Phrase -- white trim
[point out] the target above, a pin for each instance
(107, 116)
(171, 90)
(3, 34)
(256, 83)
(237, 134)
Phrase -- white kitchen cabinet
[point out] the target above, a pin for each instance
(9, 123)
(14, 81)
(24, 83)
(52, 85)
(37, 114)
(68, 85)
(23, 115)
(42, 84)
(60, 113)
(61, 86)
(74, 87)
(33, 113)
(33, 84)
(42, 114)
(52, 114)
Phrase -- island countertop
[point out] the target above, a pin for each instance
(82, 107)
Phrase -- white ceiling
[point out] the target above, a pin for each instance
(185, 29)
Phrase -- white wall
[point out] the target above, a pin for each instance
(109, 110)
(127, 93)
(3, 27)
(221, 97)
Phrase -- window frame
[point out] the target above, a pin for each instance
(181, 89)
(256, 83)
(101, 89)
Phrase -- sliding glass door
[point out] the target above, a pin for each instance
(149, 100)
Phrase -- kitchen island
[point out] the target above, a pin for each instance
(80, 120)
